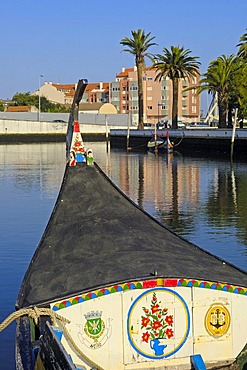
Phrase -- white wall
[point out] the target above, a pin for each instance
(34, 127)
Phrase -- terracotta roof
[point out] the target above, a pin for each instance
(96, 86)
(64, 86)
(70, 93)
(19, 108)
(90, 87)
(125, 73)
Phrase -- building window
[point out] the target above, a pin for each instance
(149, 88)
(150, 107)
(193, 109)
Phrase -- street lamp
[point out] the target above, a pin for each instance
(39, 96)
(159, 105)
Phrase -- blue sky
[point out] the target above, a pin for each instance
(68, 40)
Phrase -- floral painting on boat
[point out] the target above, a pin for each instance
(158, 323)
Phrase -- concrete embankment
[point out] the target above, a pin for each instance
(212, 140)
(35, 131)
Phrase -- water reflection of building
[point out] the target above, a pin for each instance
(36, 153)
(42, 164)
(161, 181)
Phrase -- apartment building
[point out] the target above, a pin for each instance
(157, 97)
(57, 93)
(96, 93)
(123, 94)
(64, 93)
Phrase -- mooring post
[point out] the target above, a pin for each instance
(106, 132)
(128, 133)
(233, 132)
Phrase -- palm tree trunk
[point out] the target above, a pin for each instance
(175, 103)
(139, 65)
(230, 116)
(222, 113)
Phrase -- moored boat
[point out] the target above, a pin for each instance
(102, 292)
(159, 144)
(156, 143)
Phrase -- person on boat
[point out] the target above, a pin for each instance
(89, 157)
(72, 161)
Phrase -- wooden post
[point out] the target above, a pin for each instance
(233, 131)
(106, 133)
(155, 139)
(128, 134)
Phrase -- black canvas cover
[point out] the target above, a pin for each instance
(97, 237)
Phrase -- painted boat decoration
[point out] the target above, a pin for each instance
(159, 144)
(102, 293)
(156, 142)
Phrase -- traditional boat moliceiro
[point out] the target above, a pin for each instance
(102, 293)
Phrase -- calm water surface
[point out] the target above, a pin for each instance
(203, 200)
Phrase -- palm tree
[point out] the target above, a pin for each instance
(220, 78)
(238, 91)
(175, 64)
(138, 46)
(242, 52)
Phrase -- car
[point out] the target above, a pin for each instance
(59, 120)
(180, 125)
(198, 124)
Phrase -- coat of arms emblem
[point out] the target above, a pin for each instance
(95, 332)
(94, 326)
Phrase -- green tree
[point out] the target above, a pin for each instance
(238, 91)
(175, 64)
(47, 106)
(138, 46)
(25, 99)
(1, 106)
(221, 79)
(242, 113)
(242, 52)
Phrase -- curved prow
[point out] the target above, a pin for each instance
(73, 117)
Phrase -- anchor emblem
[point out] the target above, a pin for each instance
(217, 320)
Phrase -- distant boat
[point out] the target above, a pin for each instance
(156, 143)
(109, 287)
(159, 144)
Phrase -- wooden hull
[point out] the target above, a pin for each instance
(152, 323)
(112, 296)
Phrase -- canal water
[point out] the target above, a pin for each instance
(203, 200)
